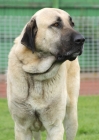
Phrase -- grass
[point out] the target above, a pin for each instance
(88, 117)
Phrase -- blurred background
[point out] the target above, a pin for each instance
(14, 14)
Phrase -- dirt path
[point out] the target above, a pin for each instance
(89, 87)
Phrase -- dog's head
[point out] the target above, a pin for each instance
(51, 32)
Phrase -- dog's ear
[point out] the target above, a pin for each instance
(28, 38)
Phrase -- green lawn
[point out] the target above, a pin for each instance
(88, 114)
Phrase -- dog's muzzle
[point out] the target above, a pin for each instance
(72, 48)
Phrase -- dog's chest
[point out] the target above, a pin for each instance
(41, 93)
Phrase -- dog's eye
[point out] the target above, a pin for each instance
(57, 24)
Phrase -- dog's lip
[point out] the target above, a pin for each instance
(74, 54)
(69, 55)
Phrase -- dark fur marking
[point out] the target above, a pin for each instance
(28, 39)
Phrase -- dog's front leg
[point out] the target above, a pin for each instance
(55, 132)
(70, 122)
(21, 134)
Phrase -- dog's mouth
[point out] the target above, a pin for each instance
(61, 58)
(70, 55)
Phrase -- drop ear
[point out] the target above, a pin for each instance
(28, 38)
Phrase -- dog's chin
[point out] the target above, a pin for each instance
(72, 58)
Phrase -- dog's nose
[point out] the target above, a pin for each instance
(79, 39)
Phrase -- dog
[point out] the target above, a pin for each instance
(43, 77)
